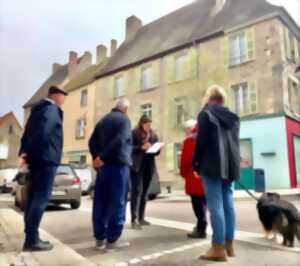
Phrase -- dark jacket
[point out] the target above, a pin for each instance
(111, 139)
(217, 152)
(42, 140)
(138, 154)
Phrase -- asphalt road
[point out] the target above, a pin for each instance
(73, 227)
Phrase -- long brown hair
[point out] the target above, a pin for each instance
(141, 132)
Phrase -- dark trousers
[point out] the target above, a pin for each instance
(110, 199)
(140, 183)
(200, 208)
(39, 193)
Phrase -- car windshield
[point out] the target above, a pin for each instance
(64, 170)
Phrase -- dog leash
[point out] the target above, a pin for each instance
(247, 190)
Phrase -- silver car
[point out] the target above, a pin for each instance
(67, 189)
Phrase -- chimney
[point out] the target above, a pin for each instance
(55, 67)
(133, 24)
(113, 47)
(219, 6)
(85, 61)
(72, 66)
(101, 53)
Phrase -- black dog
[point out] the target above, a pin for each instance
(279, 216)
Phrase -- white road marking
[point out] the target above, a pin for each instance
(121, 264)
(135, 261)
(249, 237)
(147, 257)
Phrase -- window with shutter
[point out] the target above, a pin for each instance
(244, 98)
(250, 45)
(287, 44)
(241, 47)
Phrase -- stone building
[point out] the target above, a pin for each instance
(251, 48)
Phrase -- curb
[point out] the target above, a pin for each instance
(12, 237)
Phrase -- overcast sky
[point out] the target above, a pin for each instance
(35, 33)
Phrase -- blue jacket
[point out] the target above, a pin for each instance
(42, 140)
(111, 139)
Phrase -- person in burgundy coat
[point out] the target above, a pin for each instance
(193, 183)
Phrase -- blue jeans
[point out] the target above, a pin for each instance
(219, 197)
(110, 199)
(39, 193)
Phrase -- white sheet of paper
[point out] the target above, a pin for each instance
(155, 147)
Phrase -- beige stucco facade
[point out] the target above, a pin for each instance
(10, 136)
(75, 146)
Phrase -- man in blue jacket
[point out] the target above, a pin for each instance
(110, 146)
(41, 150)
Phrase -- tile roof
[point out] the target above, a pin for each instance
(189, 24)
(55, 79)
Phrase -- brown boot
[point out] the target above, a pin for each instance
(215, 253)
(229, 248)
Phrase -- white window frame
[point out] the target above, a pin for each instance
(244, 104)
(120, 87)
(235, 53)
(147, 109)
(147, 82)
(80, 129)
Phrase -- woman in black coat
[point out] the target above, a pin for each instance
(142, 171)
(217, 160)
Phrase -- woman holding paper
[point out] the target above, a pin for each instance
(143, 169)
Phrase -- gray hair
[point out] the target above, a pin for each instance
(123, 104)
(190, 124)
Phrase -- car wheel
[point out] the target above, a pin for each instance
(16, 202)
(75, 204)
(152, 196)
(22, 205)
(92, 192)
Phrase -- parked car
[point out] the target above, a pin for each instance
(86, 178)
(67, 189)
(154, 189)
(6, 179)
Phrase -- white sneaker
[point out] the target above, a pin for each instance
(100, 244)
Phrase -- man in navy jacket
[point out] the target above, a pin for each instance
(41, 149)
(110, 147)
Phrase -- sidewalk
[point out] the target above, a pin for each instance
(11, 240)
(238, 194)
